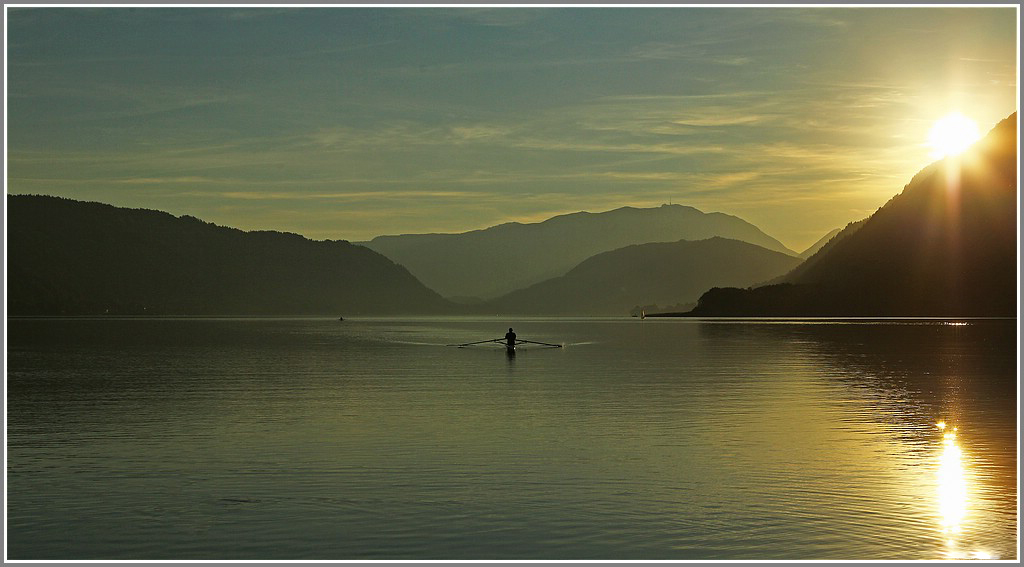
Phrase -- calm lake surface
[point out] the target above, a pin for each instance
(370, 439)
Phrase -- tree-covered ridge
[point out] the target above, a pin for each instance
(69, 257)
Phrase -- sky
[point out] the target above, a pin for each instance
(348, 123)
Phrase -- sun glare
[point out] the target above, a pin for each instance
(952, 134)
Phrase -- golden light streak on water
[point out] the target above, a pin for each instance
(952, 485)
(953, 500)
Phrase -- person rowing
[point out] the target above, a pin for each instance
(510, 341)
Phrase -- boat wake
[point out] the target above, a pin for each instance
(415, 343)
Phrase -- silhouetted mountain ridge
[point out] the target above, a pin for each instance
(80, 258)
(493, 261)
(946, 246)
(666, 273)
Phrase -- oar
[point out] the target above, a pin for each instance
(479, 342)
(538, 343)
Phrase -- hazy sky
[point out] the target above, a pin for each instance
(354, 122)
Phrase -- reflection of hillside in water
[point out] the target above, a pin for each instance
(945, 394)
(916, 371)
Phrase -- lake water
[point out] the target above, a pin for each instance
(640, 439)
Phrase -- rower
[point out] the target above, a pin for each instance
(510, 337)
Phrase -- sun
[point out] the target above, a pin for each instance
(952, 134)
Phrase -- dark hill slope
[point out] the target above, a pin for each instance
(491, 262)
(813, 248)
(663, 273)
(945, 246)
(816, 256)
(72, 257)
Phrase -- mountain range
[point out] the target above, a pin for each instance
(488, 263)
(79, 258)
(945, 246)
(69, 257)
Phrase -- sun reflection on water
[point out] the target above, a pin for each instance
(952, 485)
(953, 501)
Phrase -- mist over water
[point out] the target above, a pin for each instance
(371, 439)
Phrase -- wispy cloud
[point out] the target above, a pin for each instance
(104, 101)
(498, 17)
(342, 196)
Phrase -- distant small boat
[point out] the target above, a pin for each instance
(341, 318)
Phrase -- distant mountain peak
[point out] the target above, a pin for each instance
(493, 261)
